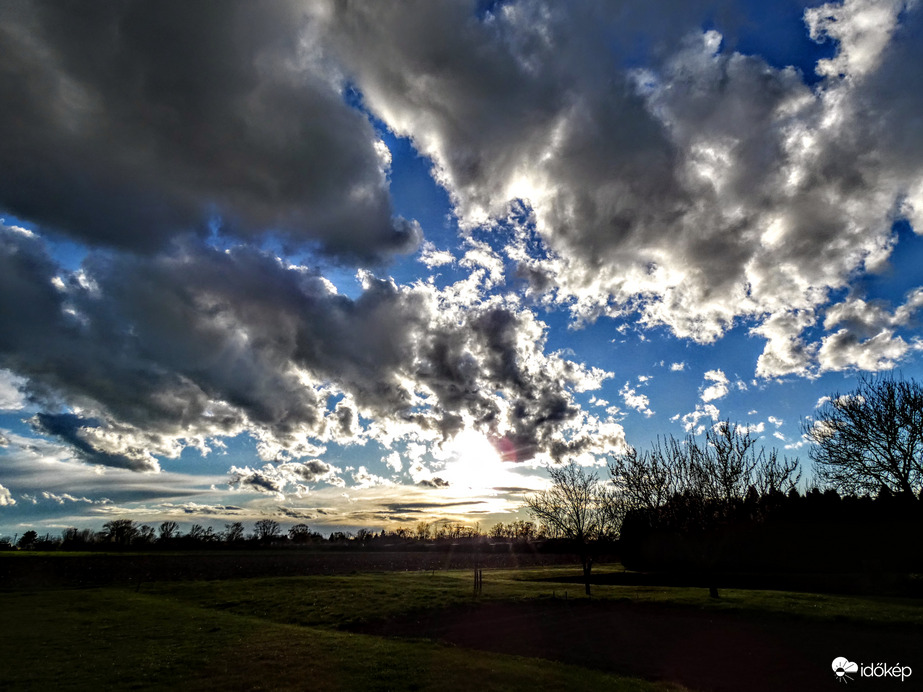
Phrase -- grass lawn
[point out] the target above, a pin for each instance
(287, 633)
(344, 600)
(189, 636)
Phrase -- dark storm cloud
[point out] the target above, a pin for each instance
(201, 343)
(127, 123)
(68, 428)
(433, 483)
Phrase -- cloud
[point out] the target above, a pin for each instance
(362, 478)
(434, 482)
(6, 498)
(170, 350)
(692, 421)
(66, 497)
(133, 125)
(204, 159)
(11, 398)
(431, 257)
(285, 477)
(35, 466)
(717, 390)
(867, 339)
(393, 462)
(786, 351)
(705, 188)
(632, 399)
(74, 431)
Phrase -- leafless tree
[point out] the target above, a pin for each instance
(576, 507)
(871, 438)
(234, 532)
(267, 530)
(725, 465)
(773, 475)
(299, 533)
(168, 530)
(649, 478)
(120, 531)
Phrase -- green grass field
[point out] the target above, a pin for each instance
(288, 633)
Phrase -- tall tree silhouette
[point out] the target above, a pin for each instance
(576, 507)
(871, 438)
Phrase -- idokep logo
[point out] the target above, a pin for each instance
(843, 667)
(845, 670)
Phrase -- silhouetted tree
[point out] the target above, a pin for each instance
(267, 530)
(498, 530)
(697, 488)
(27, 540)
(77, 539)
(871, 437)
(724, 467)
(145, 535)
(168, 531)
(648, 479)
(575, 507)
(300, 533)
(200, 535)
(233, 533)
(121, 532)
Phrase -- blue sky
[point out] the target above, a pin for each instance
(384, 265)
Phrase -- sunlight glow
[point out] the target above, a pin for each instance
(476, 464)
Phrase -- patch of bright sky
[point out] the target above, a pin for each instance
(776, 32)
(903, 272)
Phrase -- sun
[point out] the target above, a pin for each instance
(475, 464)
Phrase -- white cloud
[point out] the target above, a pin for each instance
(67, 497)
(718, 389)
(678, 367)
(431, 257)
(632, 399)
(843, 350)
(11, 398)
(362, 478)
(866, 339)
(861, 29)
(727, 189)
(393, 461)
(287, 477)
(6, 498)
(692, 422)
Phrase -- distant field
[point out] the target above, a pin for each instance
(83, 569)
(423, 630)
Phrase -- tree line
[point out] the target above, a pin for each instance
(718, 502)
(122, 534)
(723, 503)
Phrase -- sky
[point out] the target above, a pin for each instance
(374, 264)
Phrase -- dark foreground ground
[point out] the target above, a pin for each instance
(698, 649)
(182, 613)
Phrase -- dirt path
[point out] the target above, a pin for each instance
(699, 649)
